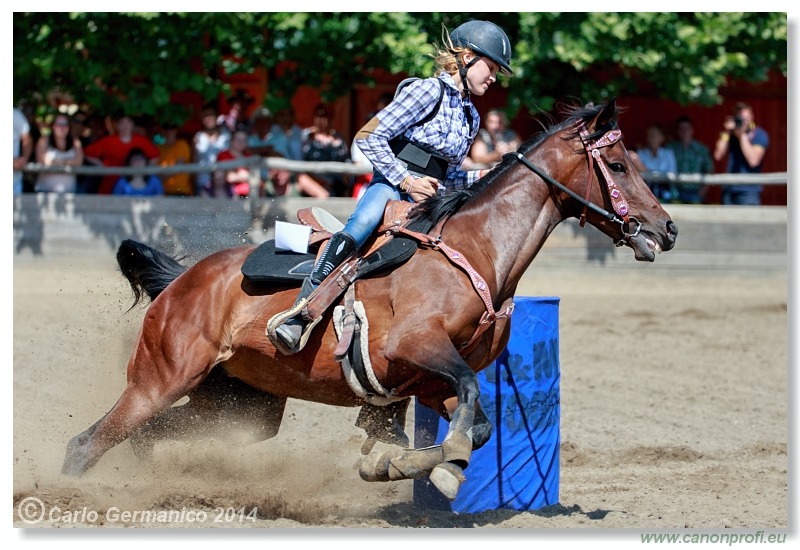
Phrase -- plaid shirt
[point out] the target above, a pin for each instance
(448, 133)
(694, 159)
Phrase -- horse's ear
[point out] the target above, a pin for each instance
(607, 117)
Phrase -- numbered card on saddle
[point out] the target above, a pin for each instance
(292, 236)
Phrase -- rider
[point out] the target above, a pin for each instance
(468, 64)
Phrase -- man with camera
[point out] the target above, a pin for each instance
(745, 144)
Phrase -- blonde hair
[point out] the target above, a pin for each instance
(447, 55)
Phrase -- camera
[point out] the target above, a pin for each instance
(738, 121)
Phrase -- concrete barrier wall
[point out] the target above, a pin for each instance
(712, 239)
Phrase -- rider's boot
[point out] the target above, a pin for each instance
(339, 249)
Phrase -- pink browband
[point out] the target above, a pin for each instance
(592, 148)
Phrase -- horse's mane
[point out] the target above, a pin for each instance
(436, 208)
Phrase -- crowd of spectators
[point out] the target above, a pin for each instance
(742, 145)
(94, 140)
(77, 139)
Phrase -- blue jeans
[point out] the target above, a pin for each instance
(368, 214)
(747, 195)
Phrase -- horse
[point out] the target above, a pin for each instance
(203, 334)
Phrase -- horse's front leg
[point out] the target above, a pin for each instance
(417, 463)
(429, 349)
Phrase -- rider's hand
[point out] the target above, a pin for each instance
(423, 187)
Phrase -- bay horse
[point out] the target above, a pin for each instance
(209, 319)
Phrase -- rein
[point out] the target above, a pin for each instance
(620, 205)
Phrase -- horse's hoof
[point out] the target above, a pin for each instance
(447, 477)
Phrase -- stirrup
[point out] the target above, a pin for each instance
(289, 332)
(279, 318)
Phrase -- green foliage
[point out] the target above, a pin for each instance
(135, 61)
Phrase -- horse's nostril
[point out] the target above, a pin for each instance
(672, 229)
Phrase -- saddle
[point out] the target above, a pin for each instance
(383, 250)
(396, 240)
(268, 265)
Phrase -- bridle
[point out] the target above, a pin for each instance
(490, 315)
(620, 205)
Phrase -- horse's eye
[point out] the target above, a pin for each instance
(617, 167)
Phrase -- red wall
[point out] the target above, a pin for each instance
(769, 104)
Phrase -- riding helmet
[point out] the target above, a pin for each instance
(485, 39)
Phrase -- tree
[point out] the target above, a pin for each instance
(137, 60)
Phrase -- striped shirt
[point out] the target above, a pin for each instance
(448, 134)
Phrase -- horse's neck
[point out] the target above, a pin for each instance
(507, 225)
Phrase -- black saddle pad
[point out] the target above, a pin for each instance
(266, 264)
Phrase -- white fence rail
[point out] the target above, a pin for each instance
(256, 163)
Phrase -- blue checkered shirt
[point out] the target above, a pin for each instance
(448, 134)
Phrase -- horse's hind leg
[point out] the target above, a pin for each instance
(218, 406)
(133, 408)
(158, 375)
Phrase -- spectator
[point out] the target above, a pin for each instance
(323, 144)
(113, 150)
(745, 144)
(23, 145)
(208, 143)
(691, 157)
(83, 132)
(29, 178)
(495, 139)
(287, 137)
(59, 148)
(98, 127)
(79, 127)
(175, 151)
(236, 118)
(657, 158)
(234, 182)
(138, 184)
(263, 141)
(259, 142)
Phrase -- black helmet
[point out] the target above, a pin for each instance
(485, 39)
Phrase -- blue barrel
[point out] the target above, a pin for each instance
(518, 469)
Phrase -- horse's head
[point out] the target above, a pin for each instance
(608, 190)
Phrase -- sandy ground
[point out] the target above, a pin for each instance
(674, 415)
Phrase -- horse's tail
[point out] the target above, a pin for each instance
(147, 270)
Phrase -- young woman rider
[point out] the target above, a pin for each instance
(404, 132)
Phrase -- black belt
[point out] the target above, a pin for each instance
(418, 159)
